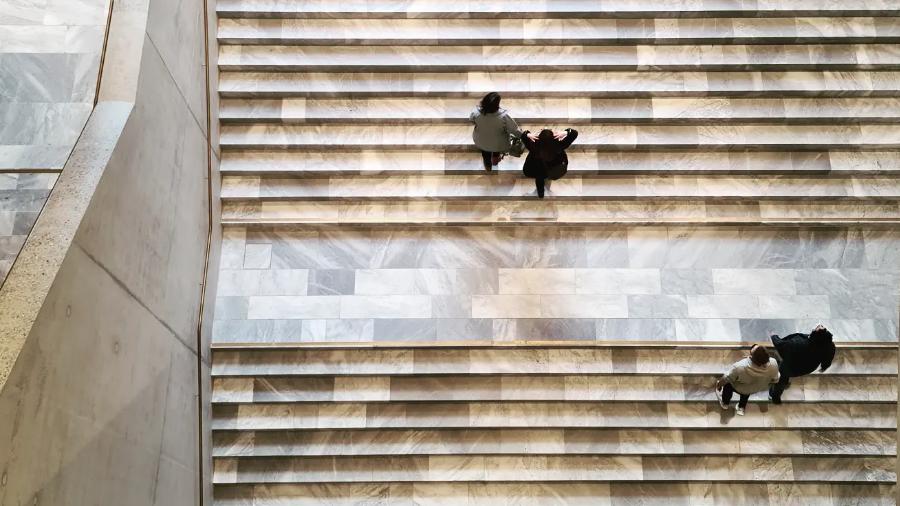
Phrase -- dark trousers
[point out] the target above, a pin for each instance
(539, 186)
(777, 389)
(486, 157)
(728, 391)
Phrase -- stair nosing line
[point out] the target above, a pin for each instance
(493, 345)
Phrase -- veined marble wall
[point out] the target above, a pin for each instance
(49, 61)
(547, 283)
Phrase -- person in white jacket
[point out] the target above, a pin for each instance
(493, 127)
(753, 374)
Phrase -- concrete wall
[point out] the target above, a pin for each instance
(104, 405)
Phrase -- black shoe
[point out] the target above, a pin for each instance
(775, 400)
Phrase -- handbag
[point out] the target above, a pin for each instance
(516, 146)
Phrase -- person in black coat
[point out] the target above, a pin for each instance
(547, 160)
(800, 355)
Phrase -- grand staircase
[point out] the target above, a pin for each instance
(351, 116)
(690, 112)
(539, 425)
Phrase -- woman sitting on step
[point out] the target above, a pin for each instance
(547, 160)
(493, 129)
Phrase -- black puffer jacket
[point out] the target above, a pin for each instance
(802, 354)
(547, 161)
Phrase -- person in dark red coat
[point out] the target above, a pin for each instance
(801, 354)
(547, 160)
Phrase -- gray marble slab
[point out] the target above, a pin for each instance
(49, 62)
(572, 283)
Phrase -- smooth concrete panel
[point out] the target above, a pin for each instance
(98, 408)
(147, 221)
(123, 51)
(175, 27)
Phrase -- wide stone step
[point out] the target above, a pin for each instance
(385, 31)
(239, 362)
(596, 137)
(532, 415)
(488, 58)
(559, 213)
(553, 468)
(323, 163)
(532, 387)
(562, 110)
(555, 494)
(556, 83)
(575, 187)
(554, 442)
(369, 9)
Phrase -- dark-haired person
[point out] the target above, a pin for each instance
(547, 160)
(801, 354)
(493, 126)
(746, 377)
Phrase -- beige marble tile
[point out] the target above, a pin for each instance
(537, 281)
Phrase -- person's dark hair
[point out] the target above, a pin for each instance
(759, 355)
(547, 148)
(820, 336)
(546, 135)
(490, 103)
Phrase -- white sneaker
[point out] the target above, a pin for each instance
(719, 396)
(739, 411)
(532, 193)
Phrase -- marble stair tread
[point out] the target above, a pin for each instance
(255, 362)
(549, 8)
(575, 187)
(863, 442)
(599, 137)
(553, 468)
(626, 84)
(557, 213)
(463, 388)
(324, 163)
(658, 110)
(556, 494)
(386, 31)
(552, 58)
(567, 414)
